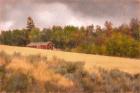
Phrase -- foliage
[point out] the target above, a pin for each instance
(4, 56)
(51, 87)
(68, 67)
(15, 37)
(30, 23)
(114, 41)
(105, 81)
(17, 82)
(122, 45)
(34, 35)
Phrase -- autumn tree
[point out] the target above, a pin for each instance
(109, 27)
(122, 45)
(114, 41)
(98, 28)
(125, 29)
(135, 28)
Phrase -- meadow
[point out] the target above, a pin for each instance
(26, 70)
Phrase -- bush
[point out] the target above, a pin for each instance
(4, 56)
(51, 87)
(2, 74)
(136, 83)
(17, 55)
(69, 67)
(17, 82)
(105, 81)
(2, 71)
(113, 81)
(36, 58)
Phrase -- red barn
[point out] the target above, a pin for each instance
(41, 45)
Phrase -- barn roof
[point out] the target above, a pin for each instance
(39, 43)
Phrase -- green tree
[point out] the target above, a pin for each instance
(122, 45)
(6, 37)
(19, 38)
(34, 35)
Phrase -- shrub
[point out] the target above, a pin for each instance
(51, 87)
(136, 83)
(17, 82)
(7, 58)
(2, 70)
(106, 81)
(69, 67)
(17, 54)
(113, 81)
(36, 58)
(2, 74)
(87, 85)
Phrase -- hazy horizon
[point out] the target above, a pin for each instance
(14, 13)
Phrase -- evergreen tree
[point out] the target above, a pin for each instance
(30, 23)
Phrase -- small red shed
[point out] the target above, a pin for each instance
(41, 45)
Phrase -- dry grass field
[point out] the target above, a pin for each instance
(124, 64)
(28, 70)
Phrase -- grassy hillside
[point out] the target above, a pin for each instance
(106, 62)
(26, 70)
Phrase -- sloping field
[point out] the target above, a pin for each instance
(91, 61)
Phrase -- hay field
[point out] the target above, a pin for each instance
(91, 61)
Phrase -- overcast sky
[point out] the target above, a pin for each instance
(13, 13)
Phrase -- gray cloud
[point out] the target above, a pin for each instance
(101, 8)
(63, 12)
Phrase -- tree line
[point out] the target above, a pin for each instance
(123, 40)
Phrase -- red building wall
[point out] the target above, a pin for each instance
(48, 46)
